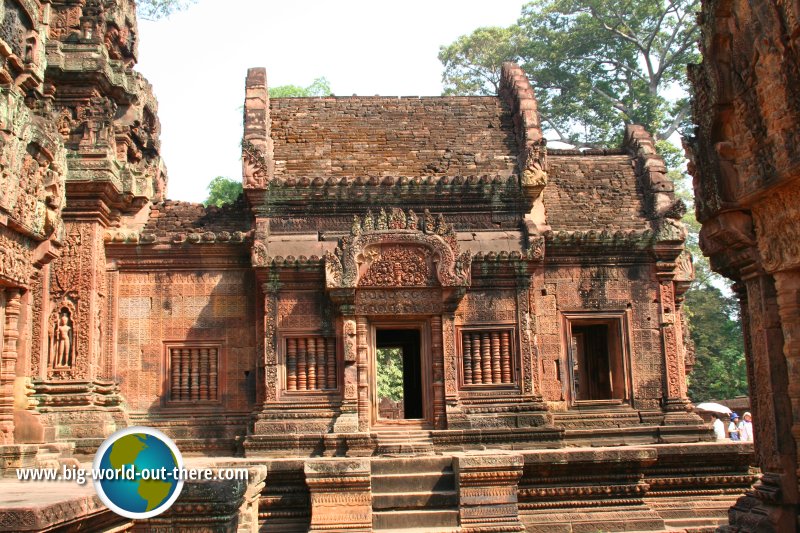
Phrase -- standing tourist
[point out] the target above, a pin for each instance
(733, 427)
(719, 427)
(746, 427)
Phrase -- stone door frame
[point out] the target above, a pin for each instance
(423, 325)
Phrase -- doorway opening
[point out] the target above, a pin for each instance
(598, 369)
(399, 374)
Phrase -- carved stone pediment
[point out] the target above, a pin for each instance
(398, 249)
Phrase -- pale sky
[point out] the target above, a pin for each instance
(197, 61)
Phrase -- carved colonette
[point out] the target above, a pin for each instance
(744, 159)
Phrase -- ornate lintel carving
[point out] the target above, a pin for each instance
(398, 249)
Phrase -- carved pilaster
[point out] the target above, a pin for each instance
(787, 284)
(341, 494)
(348, 419)
(362, 365)
(439, 415)
(270, 342)
(8, 365)
(772, 503)
(487, 492)
(530, 365)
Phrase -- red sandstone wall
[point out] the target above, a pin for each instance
(392, 136)
(184, 306)
(576, 288)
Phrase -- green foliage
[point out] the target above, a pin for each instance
(319, 87)
(223, 191)
(390, 373)
(158, 9)
(594, 64)
(714, 326)
(719, 370)
(484, 50)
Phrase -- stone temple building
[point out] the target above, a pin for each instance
(417, 315)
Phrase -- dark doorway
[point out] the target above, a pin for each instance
(399, 373)
(597, 367)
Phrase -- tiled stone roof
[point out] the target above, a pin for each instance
(172, 219)
(390, 136)
(594, 192)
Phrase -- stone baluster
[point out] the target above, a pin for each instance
(204, 374)
(302, 355)
(466, 352)
(212, 374)
(184, 389)
(505, 356)
(496, 374)
(291, 364)
(194, 383)
(175, 364)
(311, 365)
(330, 363)
(486, 358)
(477, 367)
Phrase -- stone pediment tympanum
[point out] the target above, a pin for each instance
(398, 249)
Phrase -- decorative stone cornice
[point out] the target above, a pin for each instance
(390, 181)
(130, 236)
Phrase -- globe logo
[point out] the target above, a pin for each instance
(136, 472)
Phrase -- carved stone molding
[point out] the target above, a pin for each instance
(398, 249)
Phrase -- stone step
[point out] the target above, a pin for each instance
(402, 465)
(425, 520)
(414, 500)
(413, 482)
(421, 530)
(405, 448)
(696, 522)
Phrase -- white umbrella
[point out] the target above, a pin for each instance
(713, 408)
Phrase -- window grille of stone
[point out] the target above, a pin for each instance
(310, 363)
(487, 357)
(194, 374)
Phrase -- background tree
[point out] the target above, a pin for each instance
(319, 87)
(390, 374)
(595, 64)
(223, 191)
(158, 9)
(714, 323)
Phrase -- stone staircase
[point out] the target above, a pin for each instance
(403, 441)
(414, 494)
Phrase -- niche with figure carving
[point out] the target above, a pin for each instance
(61, 340)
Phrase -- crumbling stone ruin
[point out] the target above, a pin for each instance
(527, 299)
